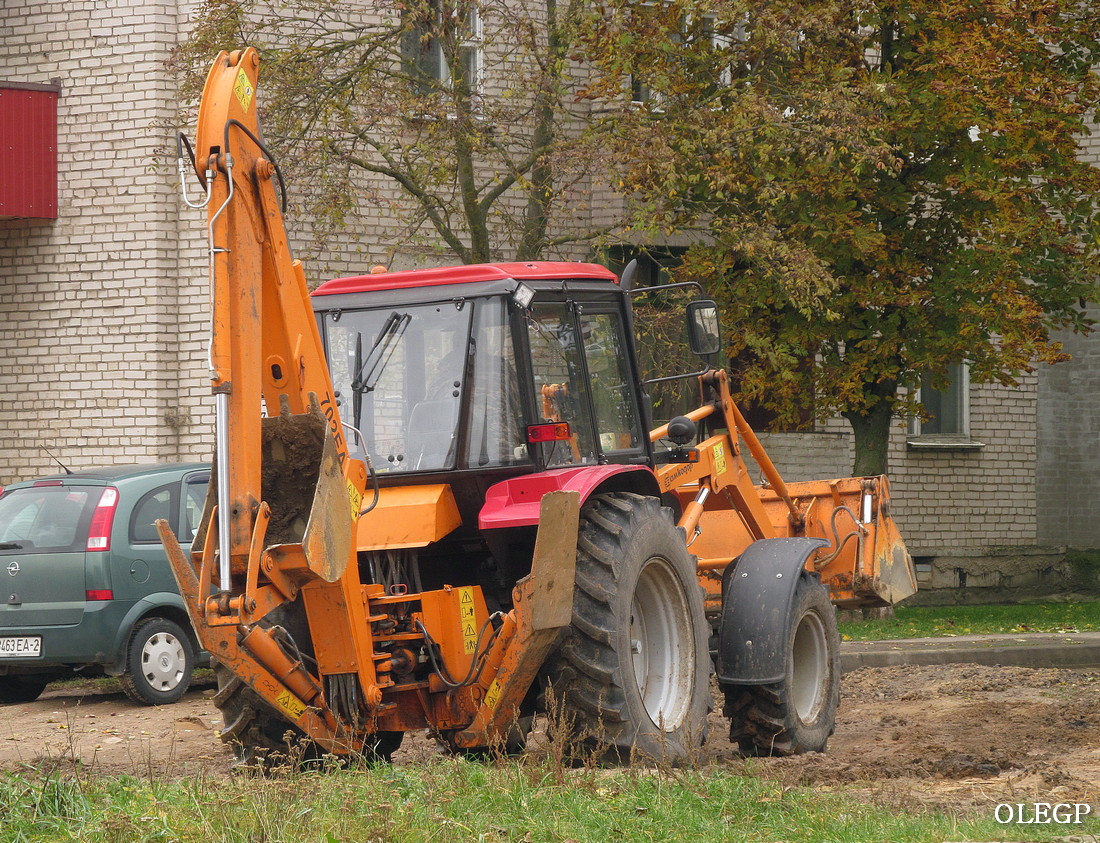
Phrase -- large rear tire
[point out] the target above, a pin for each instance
(798, 714)
(631, 678)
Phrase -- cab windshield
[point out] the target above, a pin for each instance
(402, 376)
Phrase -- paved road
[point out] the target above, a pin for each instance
(1034, 649)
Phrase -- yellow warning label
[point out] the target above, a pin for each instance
(719, 459)
(355, 498)
(290, 704)
(468, 618)
(492, 696)
(243, 89)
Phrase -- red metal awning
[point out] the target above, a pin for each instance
(28, 151)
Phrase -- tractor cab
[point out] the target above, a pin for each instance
(506, 369)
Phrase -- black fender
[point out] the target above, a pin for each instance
(757, 594)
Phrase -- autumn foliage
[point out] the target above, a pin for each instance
(875, 191)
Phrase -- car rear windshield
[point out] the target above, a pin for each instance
(46, 519)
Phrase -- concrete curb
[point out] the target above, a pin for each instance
(1079, 649)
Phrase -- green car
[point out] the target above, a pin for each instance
(87, 588)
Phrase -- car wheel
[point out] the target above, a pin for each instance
(159, 661)
(21, 689)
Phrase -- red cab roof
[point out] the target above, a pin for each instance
(465, 274)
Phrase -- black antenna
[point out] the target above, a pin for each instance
(56, 460)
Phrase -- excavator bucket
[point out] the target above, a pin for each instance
(303, 484)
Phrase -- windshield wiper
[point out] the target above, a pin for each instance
(10, 546)
(370, 370)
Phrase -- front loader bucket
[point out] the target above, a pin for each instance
(303, 484)
(866, 564)
(894, 577)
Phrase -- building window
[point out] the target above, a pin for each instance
(947, 406)
(432, 25)
(693, 31)
(721, 43)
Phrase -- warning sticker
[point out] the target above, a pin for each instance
(719, 459)
(355, 498)
(243, 90)
(492, 696)
(467, 614)
(290, 704)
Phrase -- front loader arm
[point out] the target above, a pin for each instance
(865, 562)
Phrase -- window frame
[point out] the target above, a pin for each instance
(193, 479)
(427, 66)
(641, 94)
(920, 438)
(575, 310)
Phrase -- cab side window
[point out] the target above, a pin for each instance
(610, 381)
(561, 387)
(159, 503)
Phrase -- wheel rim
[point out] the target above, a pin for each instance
(810, 667)
(163, 661)
(662, 644)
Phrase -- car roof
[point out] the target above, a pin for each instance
(115, 473)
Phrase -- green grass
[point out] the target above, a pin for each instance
(932, 621)
(456, 800)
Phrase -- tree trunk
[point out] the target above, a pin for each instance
(872, 431)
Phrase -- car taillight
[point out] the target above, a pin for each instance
(99, 594)
(99, 533)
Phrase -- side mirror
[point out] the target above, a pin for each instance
(704, 333)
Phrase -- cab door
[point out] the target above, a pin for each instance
(582, 375)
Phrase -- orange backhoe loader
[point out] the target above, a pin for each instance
(437, 506)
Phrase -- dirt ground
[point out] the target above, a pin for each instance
(960, 736)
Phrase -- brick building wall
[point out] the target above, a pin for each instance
(981, 498)
(943, 500)
(91, 319)
(1068, 465)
